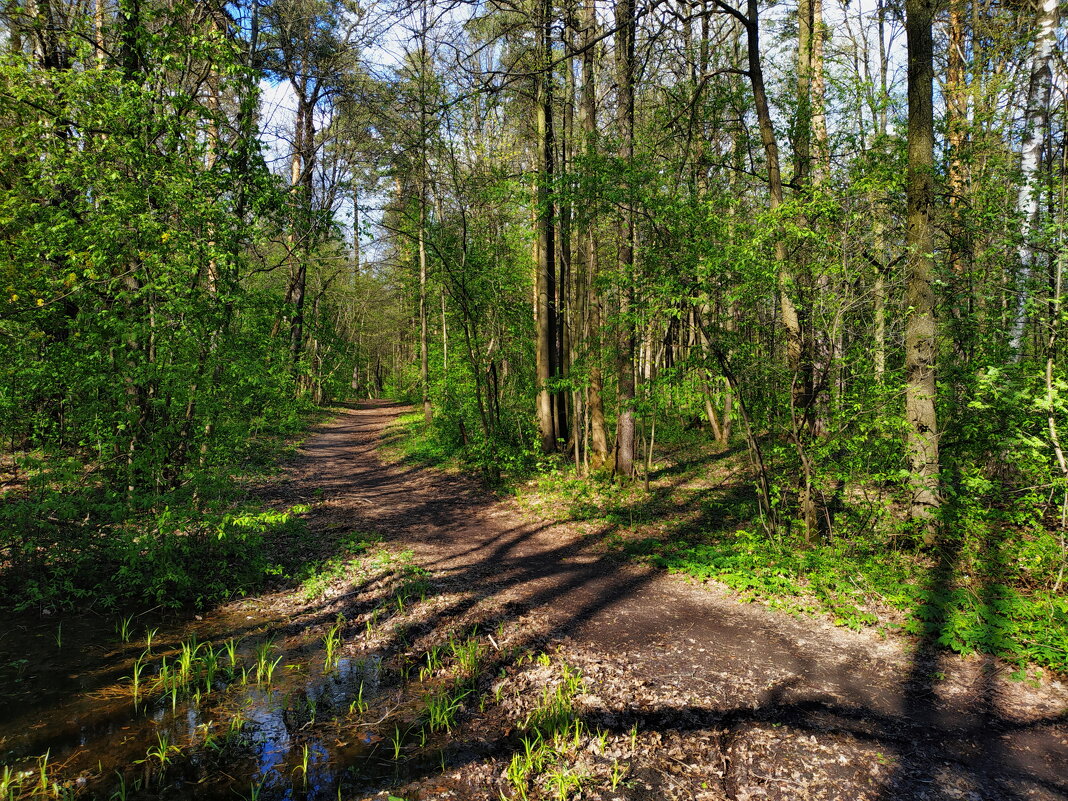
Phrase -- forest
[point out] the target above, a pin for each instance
(604, 251)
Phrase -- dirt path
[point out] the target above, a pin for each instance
(732, 700)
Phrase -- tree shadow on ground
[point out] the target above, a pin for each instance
(989, 738)
(510, 574)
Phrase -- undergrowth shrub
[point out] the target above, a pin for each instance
(961, 599)
(173, 559)
(70, 539)
(450, 440)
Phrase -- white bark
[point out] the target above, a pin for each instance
(1036, 121)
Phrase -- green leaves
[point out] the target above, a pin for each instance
(856, 584)
(139, 370)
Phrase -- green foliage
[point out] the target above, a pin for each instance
(140, 366)
(440, 445)
(173, 558)
(862, 583)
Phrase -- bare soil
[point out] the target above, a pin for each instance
(718, 699)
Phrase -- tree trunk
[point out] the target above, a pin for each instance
(821, 154)
(444, 344)
(598, 430)
(920, 330)
(803, 121)
(424, 358)
(957, 92)
(815, 361)
(545, 280)
(355, 236)
(625, 26)
(98, 33)
(879, 214)
(787, 309)
(879, 311)
(1036, 123)
(563, 307)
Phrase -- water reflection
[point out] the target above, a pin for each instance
(78, 707)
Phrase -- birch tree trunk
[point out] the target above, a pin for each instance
(1036, 123)
(355, 235)
(424, 356)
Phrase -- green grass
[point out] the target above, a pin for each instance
(552, 737)
(358, 705)
(317, 576)
(863, 584)
(332, 642)
(160, 754)
(264, 665)
(410, 440)
(442, 708)
(72, 541)
(467, 655)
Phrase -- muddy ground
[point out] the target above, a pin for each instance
(728, 700)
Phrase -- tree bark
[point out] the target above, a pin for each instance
(598, 430)
(545, 279)
(786, 279)
(563, 306)
(625, 25)
(920, 328)
(98, 33)
(355, 235)
(301, 180)
(811, 170)
(424, 357)
(1036, 123)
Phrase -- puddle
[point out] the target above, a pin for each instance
(67, 701)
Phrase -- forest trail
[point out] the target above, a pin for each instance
(734, 700)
